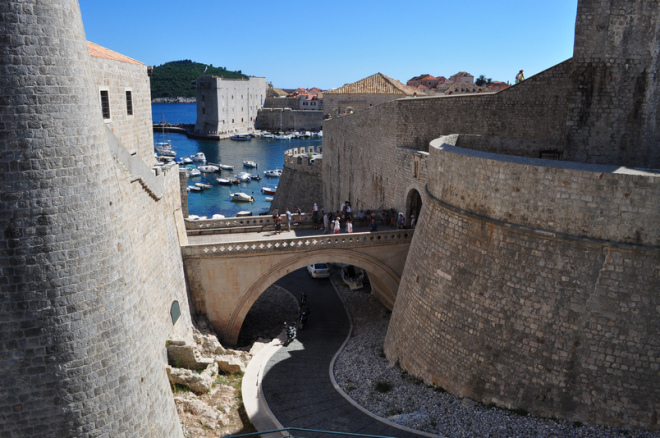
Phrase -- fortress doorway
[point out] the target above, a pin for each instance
(413, 205)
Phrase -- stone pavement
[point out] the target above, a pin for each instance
(296, 384)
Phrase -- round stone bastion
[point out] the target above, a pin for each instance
(534, 284)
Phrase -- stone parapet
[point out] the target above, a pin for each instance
(610, 203)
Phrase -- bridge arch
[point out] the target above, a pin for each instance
(385, 281)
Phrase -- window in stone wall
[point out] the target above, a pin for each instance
(416, 167)
(105, 104)
(129, 102)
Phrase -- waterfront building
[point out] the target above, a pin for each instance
(227, 106)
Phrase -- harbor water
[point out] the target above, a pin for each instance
(267, 153)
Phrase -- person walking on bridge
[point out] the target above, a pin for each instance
(326, 222)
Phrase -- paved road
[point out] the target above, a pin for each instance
(296, 381)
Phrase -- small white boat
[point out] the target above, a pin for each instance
(224, 181)
(199, 157)
(241, 197)
(203, 186)
(218, 216)
(241, 137)
(187, 160)
(269, 199)
(352, 276)
(209, 168)
(192, 172)
(247, 163)
(243, 213)
(268, 135)
(225, 167)
(284, 137)
(194, 189)
(268, 190)
(273, 173)
(243, 177)
(166, 152)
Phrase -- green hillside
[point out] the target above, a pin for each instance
(177, 78)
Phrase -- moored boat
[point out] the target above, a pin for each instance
(203, 186)
(243, 213)
(248, 163)
(199, 157)
(226, 167)
(243, 177)
(241, 197)
(268, 190)
(224, 181)
(273, 173)
(208, 168)
(241, 137)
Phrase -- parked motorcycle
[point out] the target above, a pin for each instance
(303, 313)
(291, 332)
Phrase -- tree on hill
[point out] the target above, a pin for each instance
(177, 78)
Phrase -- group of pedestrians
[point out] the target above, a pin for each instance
(332, 222)
(277, 218)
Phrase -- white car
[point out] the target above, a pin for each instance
(319, 270)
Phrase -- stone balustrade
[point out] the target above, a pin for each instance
(345, 240)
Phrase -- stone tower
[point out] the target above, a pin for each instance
(614, 116)
(77, 356)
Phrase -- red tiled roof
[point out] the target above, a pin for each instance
(101, 52)
(375, 84)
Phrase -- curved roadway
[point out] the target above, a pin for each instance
(296, 380)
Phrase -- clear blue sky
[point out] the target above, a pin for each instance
(326, 44)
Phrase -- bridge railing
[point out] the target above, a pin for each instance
(242, 224)
(310, 242)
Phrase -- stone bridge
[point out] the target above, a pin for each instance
(229, 263)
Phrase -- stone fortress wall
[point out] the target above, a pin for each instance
(228, 105)
(530, 283)
(90, 255)
(538, 295)
(300, 183)
(286, 119)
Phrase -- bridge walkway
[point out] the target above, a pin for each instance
(249, 236)
(296, 381)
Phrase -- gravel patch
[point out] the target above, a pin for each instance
(364, 373)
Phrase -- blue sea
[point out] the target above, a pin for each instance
(267, 153)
